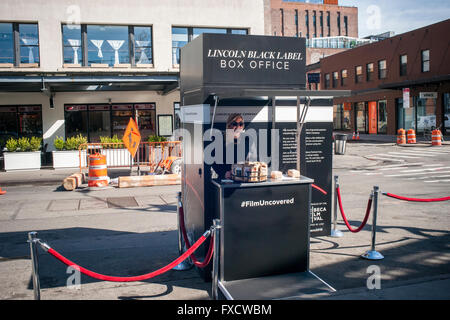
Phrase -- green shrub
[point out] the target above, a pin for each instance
(11, 145)
(35, 143)
(74, 143)
(23, 144)
(59, 143)
(109, 140)
(156, 138)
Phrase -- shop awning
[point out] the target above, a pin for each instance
(163, 83)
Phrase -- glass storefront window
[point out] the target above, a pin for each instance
(360, 117)
(347, 117)
(446, 98)
(29, 43)
(406, 116)
(76, 120)
(108, 44)
(6, 43)
(177, 113)
(382, 116)
(147, 119)
(121, 115)
(99, 122)
(337, 119)
(426, 113)
(8, 125)
(72, 44)
(239, 31)
(199, 31)
(30, 121)
(143, 45)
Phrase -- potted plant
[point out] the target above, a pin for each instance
(114, 150)
(67, 154)
(23, 154)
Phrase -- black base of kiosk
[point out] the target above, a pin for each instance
(264, 240)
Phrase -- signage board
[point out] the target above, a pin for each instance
(405, 98)
(428, 95)
(243, 60)
(313, 77)
(132, 137)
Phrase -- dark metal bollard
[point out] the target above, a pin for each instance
(32, 240)
(372, 254)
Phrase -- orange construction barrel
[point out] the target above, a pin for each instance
(98, 171)
(436, 138)
(411, 136)
(401, 136)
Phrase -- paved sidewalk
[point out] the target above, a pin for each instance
(132, 231)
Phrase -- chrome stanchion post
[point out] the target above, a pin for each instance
(335, 232)
(372, 254)
(216, 255)
(32, 240)
(186, 264)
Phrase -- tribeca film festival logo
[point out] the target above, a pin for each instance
(266, 203)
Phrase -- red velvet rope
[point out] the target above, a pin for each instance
(318, 188)
(98, 276)
(209, 254)
(369, 205)
(415, 199)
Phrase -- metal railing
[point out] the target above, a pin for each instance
(150, 155)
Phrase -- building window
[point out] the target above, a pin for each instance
(22, 38)
(76, 120)
(108, 45)
(425, 60)
(179, 39)
(328, 23)
(382, 69)
(344, 77)
(282, 21)
(321, 24)
(6, 43)
(72, 53)
(315, 24)
(307, 23)
(346, 25)
(182, 35)
(403, 64)
(369, 72)
(335, 79)
(143, 54)
(339, 23)
(327, 81)
(296, 22)
(358, 74)
(93, 45)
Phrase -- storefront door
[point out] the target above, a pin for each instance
(372, 116)
(360, 116)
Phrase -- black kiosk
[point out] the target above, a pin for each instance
(256, 85)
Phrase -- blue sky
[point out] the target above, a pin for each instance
(378, 16)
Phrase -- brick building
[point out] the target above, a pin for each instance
(377, 73)
(328, 27)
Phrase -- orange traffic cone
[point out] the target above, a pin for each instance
(2, 191)
(353, 137)
(357, 136)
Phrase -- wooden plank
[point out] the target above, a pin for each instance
(151, 180)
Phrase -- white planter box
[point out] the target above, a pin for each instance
(68, 159)
(117, 157)
(22, 160)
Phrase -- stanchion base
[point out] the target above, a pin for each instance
(372, 255)
(335, 233)
(183, 266)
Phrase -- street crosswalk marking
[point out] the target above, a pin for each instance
(400, 168)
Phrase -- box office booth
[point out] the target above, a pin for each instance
(255, 84)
